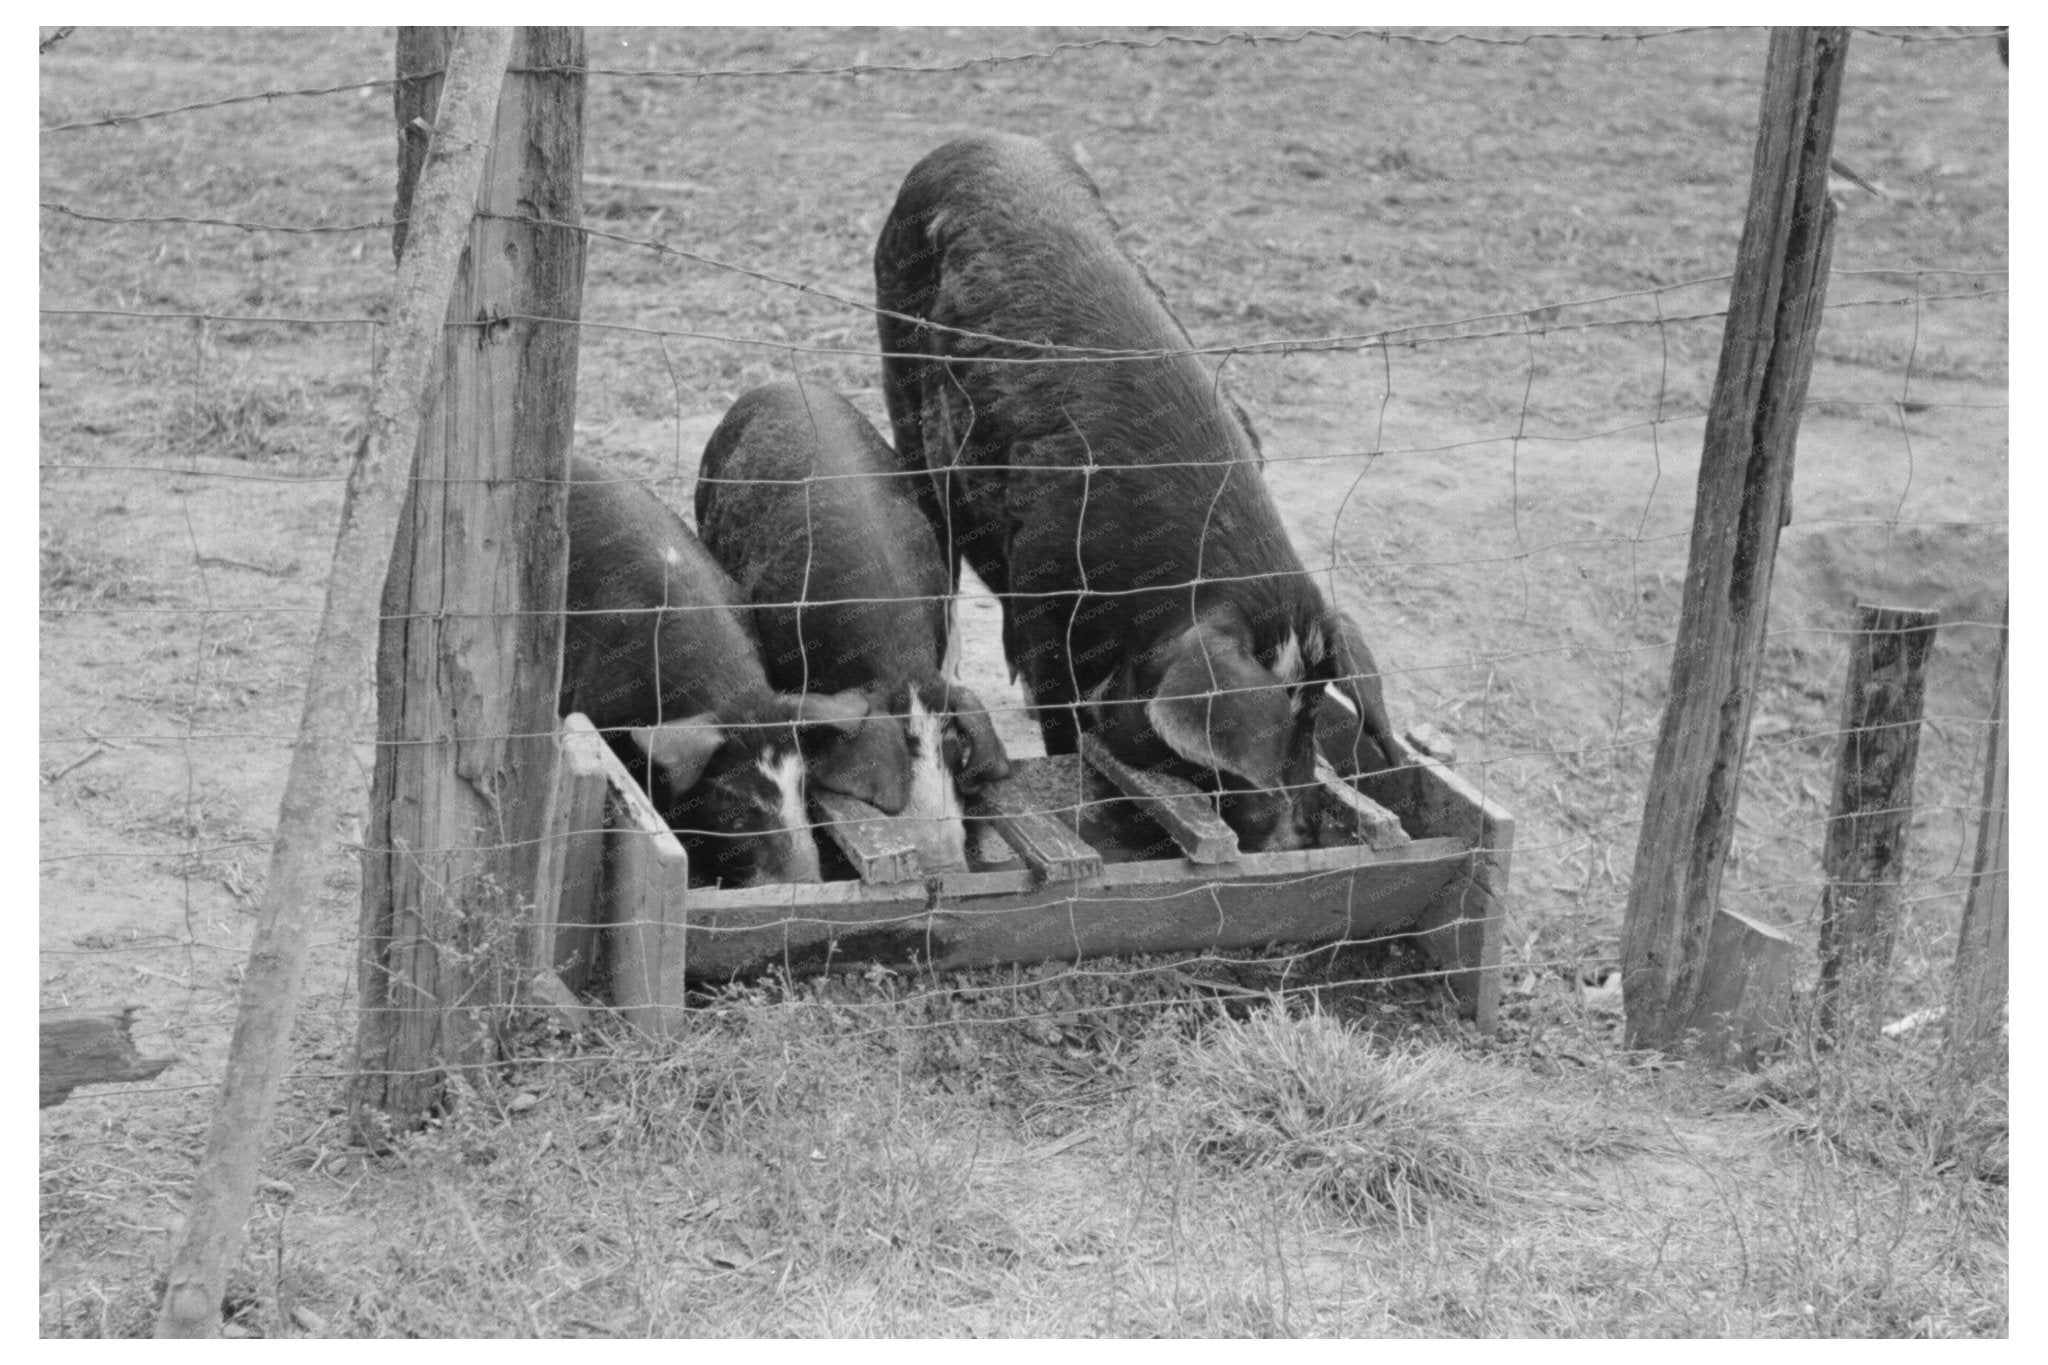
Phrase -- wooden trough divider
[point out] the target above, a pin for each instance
(1362, 817)
(876, 845)
(1176, 806)
(1433, 862)
(1053, 852)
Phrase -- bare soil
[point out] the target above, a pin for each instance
(1504, 505)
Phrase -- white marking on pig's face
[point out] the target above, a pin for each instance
(933, 810)
(1317, 647)
(1343, 699)
(674, 556)
(1287, 665)
(786, 771)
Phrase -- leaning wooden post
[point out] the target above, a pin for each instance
(1671, 984)
(1977, 1000)
(1865, 853)
(322, 764)
(469, 661)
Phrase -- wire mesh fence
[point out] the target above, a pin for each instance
(1476, 349)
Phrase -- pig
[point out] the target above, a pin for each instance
(657, 654)
(801, 501)
(1117, 507)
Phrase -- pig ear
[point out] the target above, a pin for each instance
(1218, 707)
(841, 711)
(975, 753)
(1354, 734)
(872, 764)
(680, 748)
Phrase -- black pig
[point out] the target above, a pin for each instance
(801, 501)
(1149, 589)
(655, 653)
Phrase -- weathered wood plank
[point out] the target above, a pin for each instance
(1185, 813)
(1358, 815)
(1745, 1001)
(879, 848)
(1050, 849)
(1462, 928)
(545, 991)
(470, 647)
(981, 918)
(646, 875)
(91, 1047)
(563, 936)
(1743, 500)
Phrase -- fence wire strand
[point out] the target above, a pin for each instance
(1243, 37)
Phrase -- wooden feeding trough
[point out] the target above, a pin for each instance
(1075, 857)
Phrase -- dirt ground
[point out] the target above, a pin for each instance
(1500, 494)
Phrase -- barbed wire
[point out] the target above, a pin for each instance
(143, 116)
(1539, 320)
(1786, 741)
(193, 315)
(1246, 38)
(1243, 37)
(153, 219)
(659, 247)
(1519, 555)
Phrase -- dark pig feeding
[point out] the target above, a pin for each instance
(801, 500)
(1149, 589)
(655, 653)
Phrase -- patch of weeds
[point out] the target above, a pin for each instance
(1889, 1106)
(234, 874)
(92, 1310)
(207, 818)
(1367, 1131)
(238, 421)
(80, 571)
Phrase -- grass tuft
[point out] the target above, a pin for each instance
(254, 422)
(1367, 1129)
(77, 571)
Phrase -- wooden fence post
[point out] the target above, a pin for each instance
(322, 764)
(469, 661)
(1669, 980)
(1865, 853)
(1977, 999)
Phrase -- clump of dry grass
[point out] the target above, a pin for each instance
(242, 420)
(78, 570)
(1371, 1131)
(1889, 1105)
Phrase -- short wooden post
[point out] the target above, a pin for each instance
(322, 764)
(1865, 854)
(1745, 481)
(469, 663)
(1976, 1009)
